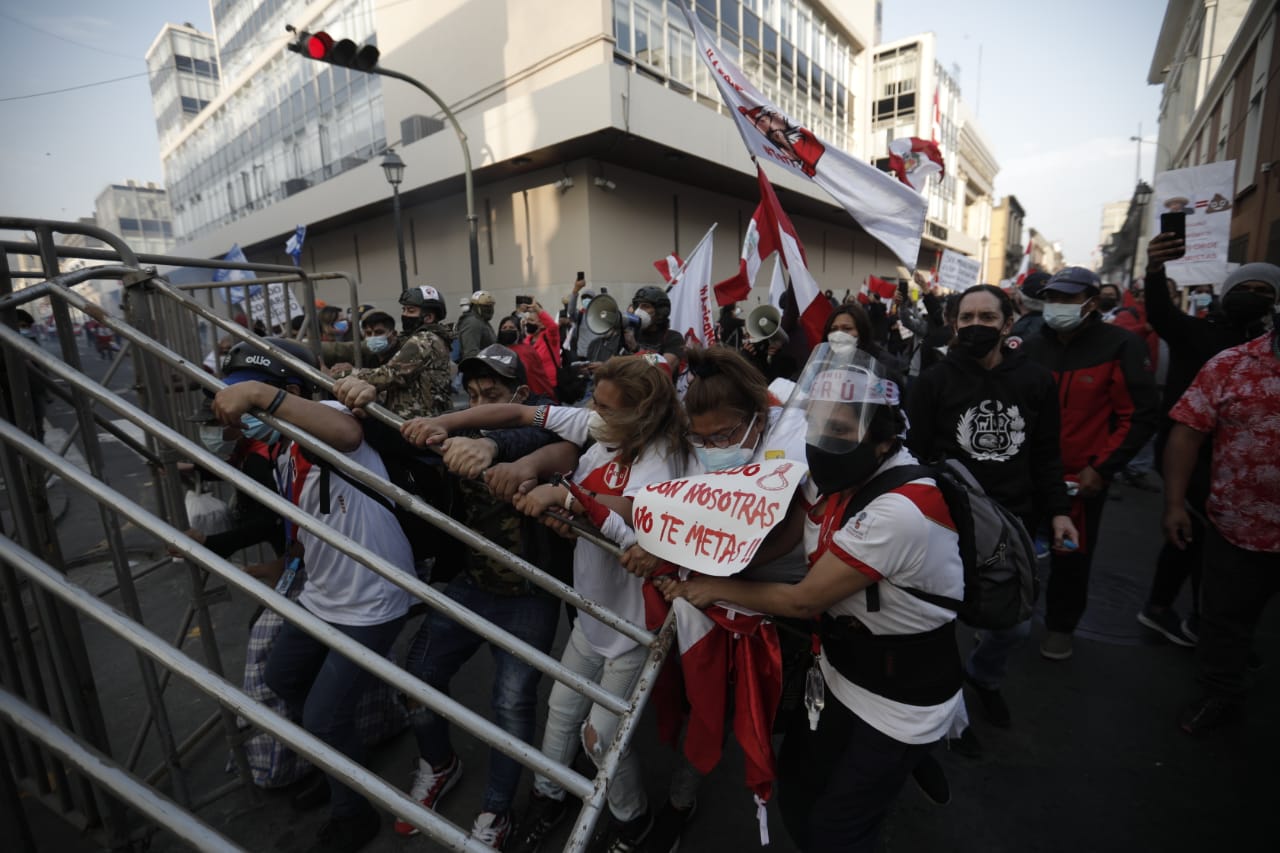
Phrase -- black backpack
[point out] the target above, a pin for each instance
(1000, 584)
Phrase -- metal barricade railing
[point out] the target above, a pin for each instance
(157, 307)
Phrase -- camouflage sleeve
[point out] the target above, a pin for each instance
(333, 352)
(422, 352)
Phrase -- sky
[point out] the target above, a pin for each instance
(1059, 96)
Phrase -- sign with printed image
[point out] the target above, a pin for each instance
(714, 523)
(1205, 193)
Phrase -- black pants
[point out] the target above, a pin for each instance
(1175, 565)
(1068, 590)
(1236, 586)
(835, 785)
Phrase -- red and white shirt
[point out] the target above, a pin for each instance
(906, 538)
(1235, 398)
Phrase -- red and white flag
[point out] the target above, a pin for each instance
(1025, 266)
(880, 287)
(914, 159)
(692, 312)
(885, 209)
(669, 267)
(760, 242)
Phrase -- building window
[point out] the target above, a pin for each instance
(1249, 153)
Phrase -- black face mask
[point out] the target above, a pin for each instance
(411, 324)
(834, 472)
(977, 340)
(1106, 303)
(507, 337)
(1243, 307)
(530, 330)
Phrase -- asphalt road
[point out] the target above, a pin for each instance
(1093, 762)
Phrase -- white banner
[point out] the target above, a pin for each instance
(957, 272)
(1205, 193)
(280, 316)
(714, 523)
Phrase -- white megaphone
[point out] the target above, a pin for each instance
(603, 315)
(763, 323)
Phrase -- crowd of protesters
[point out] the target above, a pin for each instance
(1046, 392)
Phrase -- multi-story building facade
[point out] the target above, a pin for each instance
(912, 95)
(140, 214)
(1113, 216)
(1046, 254)
(1216, 61)
(182, 64)
(598, 140)
(1005, 248)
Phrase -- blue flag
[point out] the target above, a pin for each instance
(236, 255)
(294, 244)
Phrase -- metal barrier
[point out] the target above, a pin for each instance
(73, 769)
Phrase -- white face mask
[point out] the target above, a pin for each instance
(596, 425)
(1062, 316)
(377, 343)
(211, 438)
(842, 342)
(646, 319)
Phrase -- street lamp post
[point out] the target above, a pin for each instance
(1141, 195)
(393, 166)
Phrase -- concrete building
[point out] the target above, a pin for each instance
(1046, 254)
(139, 214)
(1216, 60)
(598, 140)
(1006, 248)
(1113, 216)
(914, 96)
(182, 64)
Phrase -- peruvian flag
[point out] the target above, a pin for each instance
(880, 287)
(914, 159)
(1025, 266)
(885, 209)
(669, 267)
(760, 242)
(691, 296)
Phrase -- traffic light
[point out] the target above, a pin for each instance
(346, 53)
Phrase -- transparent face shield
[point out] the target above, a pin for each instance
(836, 397)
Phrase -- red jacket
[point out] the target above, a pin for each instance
(1106, 394)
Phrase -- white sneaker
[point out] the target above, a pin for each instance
(492, 829)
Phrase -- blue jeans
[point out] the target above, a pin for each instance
(442, 646)
(989, 660)
(325, 687)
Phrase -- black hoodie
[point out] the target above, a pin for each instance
(1001, 423)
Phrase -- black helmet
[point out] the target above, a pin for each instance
(657, 297)
(245, 361)
(427, 298)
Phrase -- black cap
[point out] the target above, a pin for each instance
(1034, 283)
(1073, 280)
(497, 359)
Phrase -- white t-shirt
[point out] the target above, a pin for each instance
(597, 574)
(338, 589)
(904, 538)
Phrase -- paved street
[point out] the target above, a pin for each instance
(1093, 761)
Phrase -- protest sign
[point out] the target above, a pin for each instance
(280, 315)
(714, 523)
(1205, 194)
(957, 272)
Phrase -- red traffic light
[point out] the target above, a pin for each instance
(319, 45)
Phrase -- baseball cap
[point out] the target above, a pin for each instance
(1034, 283)
(1072, 280)
(497, 359)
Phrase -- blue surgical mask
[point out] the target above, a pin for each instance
(723, 458)
(259, 430)
(211, 438)
(377, 344)
(341, 326)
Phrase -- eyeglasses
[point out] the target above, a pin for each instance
(722, 439)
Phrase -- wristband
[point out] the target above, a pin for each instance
(277, 402)
(568, 500)
(540, 416)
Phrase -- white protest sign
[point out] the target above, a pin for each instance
(957, 272)
(1205, 193)
(714, 523)
(280, 316)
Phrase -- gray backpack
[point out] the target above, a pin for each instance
(1000, 583)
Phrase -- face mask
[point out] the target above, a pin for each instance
(530, 330)
(977, 340)
(258, 430)
(377, 344)
(596, 426)
(723, 458)
(411, 324)
(1032, 304)
(507, 337)
(1106, 303)
(586, 303)
(1243, 307)
(1200, 301)
(1062, 316)
(211, 438)
(834, 472)
(842, 342)
(341, 327)
(645, 318)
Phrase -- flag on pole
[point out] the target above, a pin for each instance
(1025, 266)
(691, 296)
(669, 267)
(760, 242)
(236, 255)
(294, 244)
(914, 159)
(880, 287)
(885, 209)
